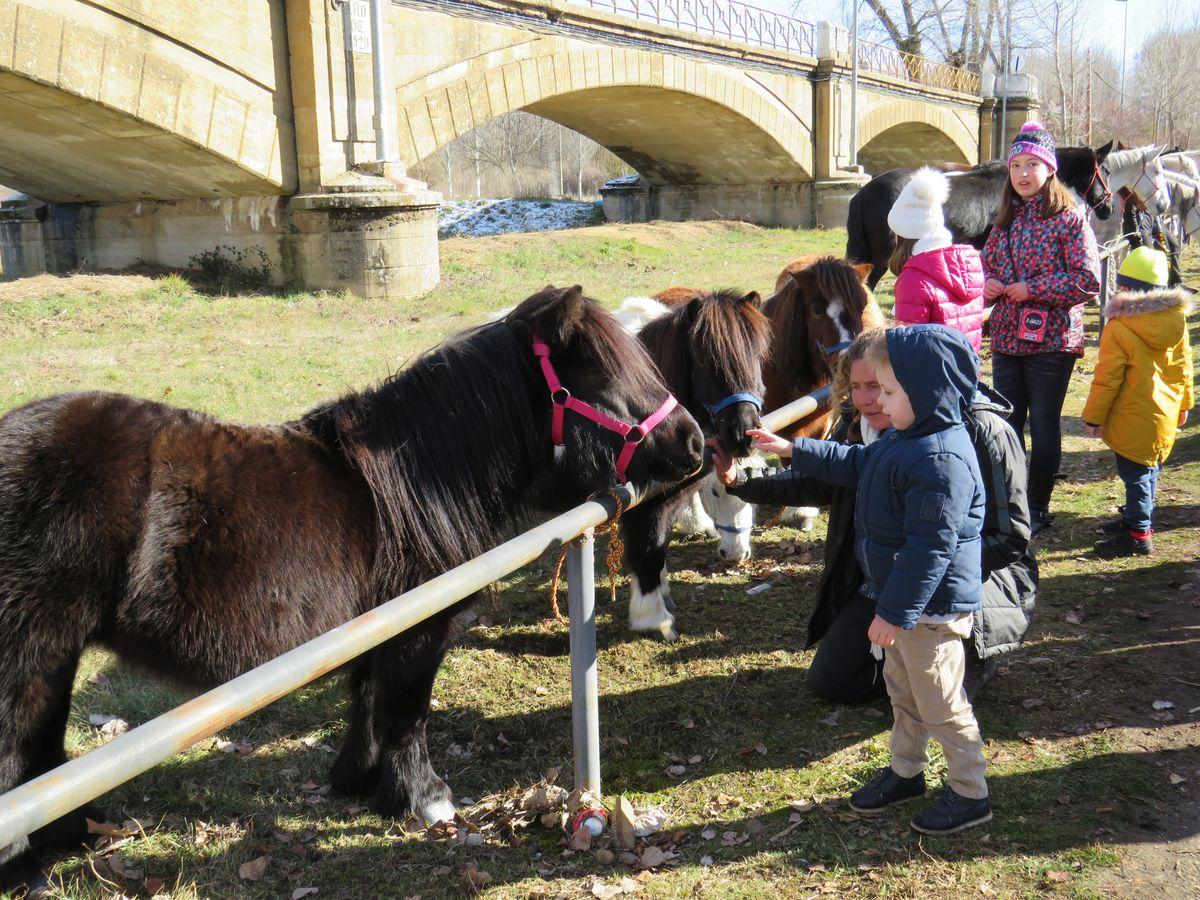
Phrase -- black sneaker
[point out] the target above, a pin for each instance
(952, 812)
(885, 789)
(1123, 544)
(1039, 521)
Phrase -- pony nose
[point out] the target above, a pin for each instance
(695, 446)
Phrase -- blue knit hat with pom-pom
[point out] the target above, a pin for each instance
(1034, 139)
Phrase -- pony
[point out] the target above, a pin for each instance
(972, 205)
(1136, 177)
(197, 549)
(710, 349)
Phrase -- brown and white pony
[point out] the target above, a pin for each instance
(819, 306)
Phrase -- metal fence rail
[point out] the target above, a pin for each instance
(36, 803)
(1111, 254)
(731, 20)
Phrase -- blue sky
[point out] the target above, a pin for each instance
(1145, 16)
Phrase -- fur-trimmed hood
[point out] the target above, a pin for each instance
(1159, 317)
(1134, 303)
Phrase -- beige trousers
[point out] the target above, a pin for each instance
(923, 671)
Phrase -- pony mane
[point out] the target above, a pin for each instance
(453, 448)
(801, 365)
(725, 328)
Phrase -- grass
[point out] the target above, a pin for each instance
(1070, 776)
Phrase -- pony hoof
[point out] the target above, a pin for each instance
(806, 524)
(668, 632)
(441, 811)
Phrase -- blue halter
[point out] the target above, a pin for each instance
(836, 348)
(731, 529)
(744, 397)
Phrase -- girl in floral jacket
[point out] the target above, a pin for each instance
(1042, 267)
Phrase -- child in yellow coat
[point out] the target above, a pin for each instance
(1141, 390)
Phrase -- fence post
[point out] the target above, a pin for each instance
(585, 697)
(1103, 292)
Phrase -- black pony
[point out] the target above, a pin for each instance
(710, 350)
(198, 549)
(971, 207)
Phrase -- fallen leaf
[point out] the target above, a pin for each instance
(474, 877)
(708, 834)
(605, 857)
(760, 748)
(580, 840)
(676, 770)
(694, 760)
(106, 829)
(253, 870)
(801, 805)
(1177, 779)
(1059, 877)
(652, 857)
(122, 868)
(1033, 703)
(1163, 704)
(754, 826)
(706, 860)
(1073, 618)
(305, 892)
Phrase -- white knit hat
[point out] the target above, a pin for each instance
(917, 212)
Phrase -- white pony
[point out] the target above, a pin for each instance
(1141, 171)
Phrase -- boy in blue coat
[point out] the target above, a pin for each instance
(918, 516)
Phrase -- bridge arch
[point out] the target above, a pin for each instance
(902, 133)
(676, 121)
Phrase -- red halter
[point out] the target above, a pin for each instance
(562, 400)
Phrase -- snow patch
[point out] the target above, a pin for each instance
(481, 218)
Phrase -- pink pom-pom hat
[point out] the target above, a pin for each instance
(1034, 139)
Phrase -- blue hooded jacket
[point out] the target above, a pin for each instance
(920, 502)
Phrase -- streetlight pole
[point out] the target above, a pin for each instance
(854, 86)
(1007, 65)
(1124, 44)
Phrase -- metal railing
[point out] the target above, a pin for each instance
(36, 803)
(910, 67)
(732, 21)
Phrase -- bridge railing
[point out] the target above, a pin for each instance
(728, 19)
(896, 63)
(36, 803)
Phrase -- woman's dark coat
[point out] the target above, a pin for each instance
(1010, 571)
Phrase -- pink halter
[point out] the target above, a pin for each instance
(562, 400)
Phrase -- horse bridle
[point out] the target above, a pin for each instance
(714, 409)
(1097, 175)
(562, 400)
(831, 349)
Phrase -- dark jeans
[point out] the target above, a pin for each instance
(843, 669)
(1036, 387)
(1141, 484)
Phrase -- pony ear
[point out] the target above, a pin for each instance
(754, 298)
(1102, 153)
(558, 315)
(863, 270)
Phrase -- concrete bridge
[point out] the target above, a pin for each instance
(153, 130)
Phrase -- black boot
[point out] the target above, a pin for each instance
(1039, 521)
(1123, 543)
(885, 789)
(952, 812)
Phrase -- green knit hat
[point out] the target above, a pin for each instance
(1144, 269)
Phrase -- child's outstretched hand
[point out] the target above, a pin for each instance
(723, 465)
(770, 443)
(882, 632)
(1092, 430)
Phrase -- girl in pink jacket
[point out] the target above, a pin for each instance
(937, 280)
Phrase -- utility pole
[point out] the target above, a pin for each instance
(854, 86)
(1089, 99)
(1124, 44)
(1007, 65)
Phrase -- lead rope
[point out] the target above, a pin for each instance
(613, 558)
